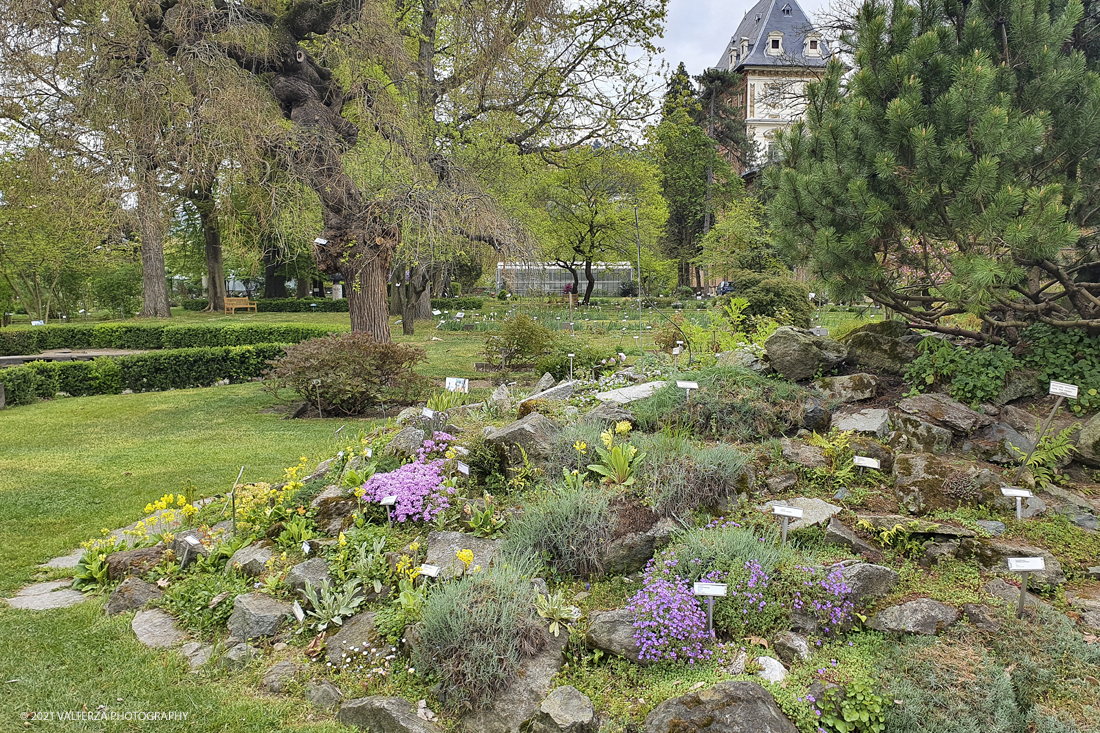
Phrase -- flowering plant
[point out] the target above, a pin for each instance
(419, 487)
(669, 622)
(617, 462)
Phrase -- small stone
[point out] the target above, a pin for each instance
(565, 710)
(443, 548)
(324, 694)
(252, 560)
(626, 395)
(791, 647)
(981, 618)
(613, 631)
(848, 388)
(1010, 594)
(131, 594)
(1032, 506)
(313, 571)
(803, 454)
(871, 421)
(200, 656)
(546, 381)
(408, 416)
(866, 581)
(815, 512)
(994, 528)
(771, 669)
(1094, 572)
(922, 616)
(256, 615)
(237, 656)
(281, 674)
(156, 629)
(837, 534)
(781, 483)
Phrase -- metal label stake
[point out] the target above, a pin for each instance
(1019, 495)
(786, 513)
(710, 591)
(1025, 566)
(389, 502)
(1063, 391)
(687, 387)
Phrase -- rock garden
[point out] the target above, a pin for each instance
(609, 552)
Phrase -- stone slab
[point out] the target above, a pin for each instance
(626, 395)
(156, 629)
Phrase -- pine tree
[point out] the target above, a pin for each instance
(955, 171)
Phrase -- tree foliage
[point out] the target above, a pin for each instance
(955, 171)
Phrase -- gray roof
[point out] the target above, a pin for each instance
(785, 16)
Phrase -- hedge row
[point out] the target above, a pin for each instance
(327, 305)
(152, 336)
(169, 369)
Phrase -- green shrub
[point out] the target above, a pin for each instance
(190, 336)
(119, 289)
(195, 305)
(971, 376)
(19, 342)
(679, 477)
(1066, 356)
(476, 632)
(82, 378)
(458, 304)
(21, 385)
(350, 373)
(556, 363)
(567, 530)
(520, 340)
(773, 296)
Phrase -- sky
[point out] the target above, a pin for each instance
(697, 31)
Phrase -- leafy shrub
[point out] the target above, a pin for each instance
(521, 339)
(771, 296)
(971, 376)
(348, 374)
(458, 304)
(189, 599)
(119, 289)
(556, 363)
(567, 530)
(679, 477)
(628, 289)
(194, 305)
(98, 376)
(476, 631)
(301, 305)
(1066, 356)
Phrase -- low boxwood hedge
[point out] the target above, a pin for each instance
(157, 370)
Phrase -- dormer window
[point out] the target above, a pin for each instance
(787, 9)
(744, 47)
(813, 45)
(775, 43)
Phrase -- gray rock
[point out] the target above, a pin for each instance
(613, 632)
(410, 416)
(406, 443)
(47, 596)
(867, 582)
(319, 472)
(771, 670)
(996, 444)
(863, 445)
(781, 483)
(937, 552)
(1022, 421)
(519, 701)
(533, 434)
(238, 656)
(791, 647)
(560, 393)
(815, 512)
(994, 528)
(313, 571)
(281, 674)
(252, 560)
(981, 617)
(922, 616)
(744, 359)
(443, 549)
(924, 483)
(630, 553)
(66, 561)
(184, 550)
(1091, 619)
(805, 455)
(993, 555)
(546, 381)
(156, 629)
(379, 714)
(502, 397)
(355, 636)
(333, 508)
(134, 562)
(879, 352)
(626, 395)
(1084, 520)
(1010, 594)
(913, 435)
(848, 388)
(815, 415)
(197, 654)
(799, 355)
(256, 615)
(728, 707)
(565, 710)
(942, 410)
(131, 594)
(870, 421)
(609, 412)
(837, 534)
(1019, 383)
(1094, 572)
(1088, 443)
(324, 694)
(1032, 506)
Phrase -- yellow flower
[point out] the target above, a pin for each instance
(581, 447)
(607, 438)
(342, 540)
(148, 508)
(622, 428)
(466, 556)
(181, 500)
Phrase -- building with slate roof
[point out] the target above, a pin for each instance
(777, 51)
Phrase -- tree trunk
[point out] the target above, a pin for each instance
(591, 281)
(154, 281)
(301, 287)
(366, 294)
(274, 284)
(212, 235)
(417, 287)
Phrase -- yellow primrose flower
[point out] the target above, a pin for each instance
(581, 446)
(607, 438)
(466, 556)
(622, 427)
(148, 508)
(342, 540)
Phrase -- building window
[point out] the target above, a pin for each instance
(787, 9)
(775, 43)
(813, 45)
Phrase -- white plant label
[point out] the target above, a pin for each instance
(717, 590)
(305, 548)
(369, 453)
(677, 351)
(428, 413)
(191, 540)
(298, 612)
(1012, 491)
(865, 462)
(321, 241)
(432, 571)
(388, 501)
(437, 313)
(687, 385)
(1063, 389)
(463, 468)
(571, 355)
(1026, 564)
(460, 314)
(812, 295)
(38, 323)
(787, 511)
(458, 384)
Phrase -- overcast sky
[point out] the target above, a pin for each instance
(698, 30)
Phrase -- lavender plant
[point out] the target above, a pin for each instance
(669, 622)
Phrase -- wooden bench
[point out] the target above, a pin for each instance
(232, 304)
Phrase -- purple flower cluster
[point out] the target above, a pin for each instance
(418, 487)
(434, 447)
(827, 598)
(749, 593)
(669, 622)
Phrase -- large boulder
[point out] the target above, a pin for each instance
(1088, 443)
(613, 632)
(443, 549)
(913, 435)
(565, 710)
(256, 615)
(333, 508)
(133, 562)
(994, 554)
(380, 714)
(313, 571)
(252, 560)
(631, 552)
(354, 637)
(1019, 383)
(879, 352)
(848, 388)
(406, 443)
(531, 435)
(946, 412)
(837, 534)
(816, 416)
(871, 421)
(728, 707)
(999, 443)
(744, 359)
(924, 483)
(921, 616)
(798, 354)
(520, 700)
(133, 593)
(867, 582)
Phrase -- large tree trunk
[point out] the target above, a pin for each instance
(366, 294)
(154, 281)
(301, 287)
(215, 272)
(591, 281)
(274, 284)
(417, 288)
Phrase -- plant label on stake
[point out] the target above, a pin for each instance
(388, 502)
(298, 612)
(305, 548)
(1025, 566)
(1019, 495)
(431, 571)
(785, 513)
(321, 241)
(710, 591)
(1063, 391)
(571, 367)
(866, 462)
(462, 468)
(687, 387)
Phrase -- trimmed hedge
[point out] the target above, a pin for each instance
(327, 305)
(458, 304)
(152, 336)
(168, 369)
